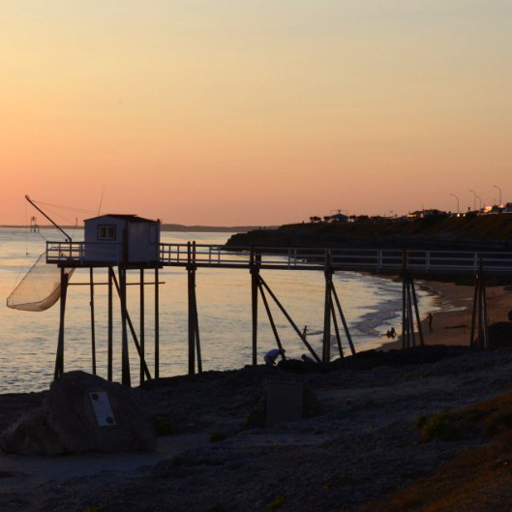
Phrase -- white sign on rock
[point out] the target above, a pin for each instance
(102, 408)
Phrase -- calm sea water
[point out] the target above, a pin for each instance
(371, 306)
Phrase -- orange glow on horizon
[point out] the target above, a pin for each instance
(263, 114)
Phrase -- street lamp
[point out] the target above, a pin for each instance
(479, 201)
(474, 199)
(456, 197)
(495, 186)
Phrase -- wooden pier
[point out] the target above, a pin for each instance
(192, 256)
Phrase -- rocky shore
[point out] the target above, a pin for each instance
(360, 443)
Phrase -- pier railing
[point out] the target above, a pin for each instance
(285, 258)
(203, 255)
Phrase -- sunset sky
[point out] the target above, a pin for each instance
(266, 112)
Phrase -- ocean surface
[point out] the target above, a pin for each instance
(28, 339)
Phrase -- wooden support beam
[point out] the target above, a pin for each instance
(409, 312)
(157, 325)
(485, 315)
(326, 346)
(271, 319)
(125, 356)
(142, 327)
(93, 330)
(405, 329)
(336, 328)
(480, 340)
(472, 339)
(59, 359)
(197, 337)
(343, 321)
(132, 331)
(254, 307)
(417, 312)
(292, 323)
(191, 275)
(110, 326)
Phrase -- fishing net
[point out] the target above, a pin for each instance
(39, 290)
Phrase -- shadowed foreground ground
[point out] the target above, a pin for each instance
(363, 445)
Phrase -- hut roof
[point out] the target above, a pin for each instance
(128, 217)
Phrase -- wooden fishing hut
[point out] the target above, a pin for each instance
(130, 243)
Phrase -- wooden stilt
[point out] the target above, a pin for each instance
(125, 357)
(142, 327)
(343, 321)
(110, 326)
(292, 323)
(326, 352)
(198, 339)
(485, 326)
(254, 306)
(270, 318)
(59, 359)
(480, 342)
(417, 312)
(472, 339)
(405, 329)
(191, 274)
(409, 313)
(157, 325)
(336, 328)
(93, 333)
(132, 331)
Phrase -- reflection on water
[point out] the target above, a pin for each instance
(223, 295)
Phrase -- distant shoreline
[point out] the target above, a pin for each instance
(172, 227)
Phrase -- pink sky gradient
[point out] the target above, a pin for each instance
(221, 113)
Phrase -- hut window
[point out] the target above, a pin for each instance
(106, 232)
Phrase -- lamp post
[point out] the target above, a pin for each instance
(474, 199)
(456, 197)
(479, 202)
(499, 189)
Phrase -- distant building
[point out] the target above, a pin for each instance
(122, 238)
(420, 214)
(339, 217)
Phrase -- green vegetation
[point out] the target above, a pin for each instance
(477, 479)
(276, 504)
(441, 426)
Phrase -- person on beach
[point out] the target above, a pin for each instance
(391, 333)
(305, 332)
(430, 318)
(271, 356)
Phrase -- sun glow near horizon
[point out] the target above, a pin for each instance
(205, 112)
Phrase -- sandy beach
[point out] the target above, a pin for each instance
(360, 446)
(451, 325)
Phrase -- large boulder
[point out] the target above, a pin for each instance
(31, 435)
(82, 413)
